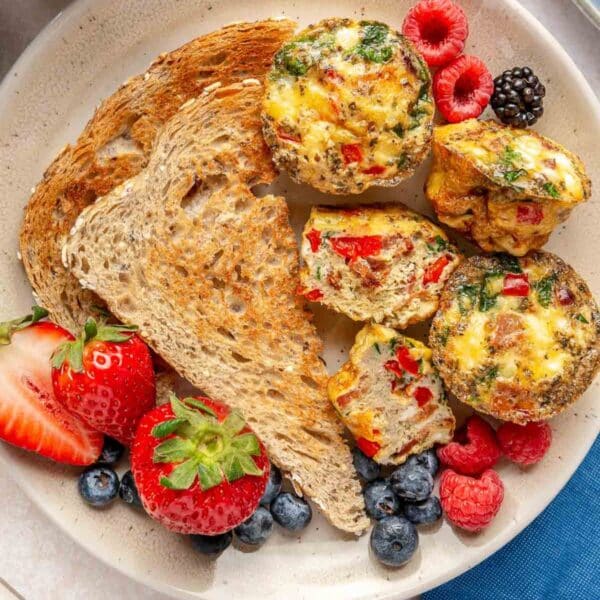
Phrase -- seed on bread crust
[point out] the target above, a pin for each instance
(518, 339)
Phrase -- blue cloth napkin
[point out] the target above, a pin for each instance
(556, 558)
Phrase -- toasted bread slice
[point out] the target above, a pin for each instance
(208, 272)
(117, 142)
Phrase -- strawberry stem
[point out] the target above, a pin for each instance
(9, 327)
(203, 447)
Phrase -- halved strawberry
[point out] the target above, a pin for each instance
(463, 88)
(106, 377)
(198, 467)
(30, 415)
(438, 28)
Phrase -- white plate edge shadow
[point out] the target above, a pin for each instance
(24, 62)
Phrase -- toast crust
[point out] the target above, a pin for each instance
(116, 145)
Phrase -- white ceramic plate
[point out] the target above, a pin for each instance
(591, 9)
(44, 102)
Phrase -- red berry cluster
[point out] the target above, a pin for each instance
(463, 86)
(470, 491)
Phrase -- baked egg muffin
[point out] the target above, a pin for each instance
(505, 188)
(390, 397)
(383, 263)
(348, 105)
(516, 338)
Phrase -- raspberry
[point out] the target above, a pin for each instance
(524, 444)
(463, 88)
(481, 451)
(438, 29)
(471, 503)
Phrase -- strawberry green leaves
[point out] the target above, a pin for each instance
(9, 327)
(167, 427)
(203, 447)
(72, 352)
(103, 332)
(211, 476)
(199, 404)
(173, 450)
(182, 477)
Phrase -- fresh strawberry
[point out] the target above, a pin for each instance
(438, 28)
(30, 415)
(462, 89)
(106, 377)
(198, 467)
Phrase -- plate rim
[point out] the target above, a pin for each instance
(590, 11)
(22, 64)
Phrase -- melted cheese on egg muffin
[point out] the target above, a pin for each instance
(518, 339)
(506, 188)
(348, 105)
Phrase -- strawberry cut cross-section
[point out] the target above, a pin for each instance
(30, 415)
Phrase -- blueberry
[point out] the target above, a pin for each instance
(427, 459)
(427, 511)
(366, 467)
(111, 451)
(291, 512)
(128, 490)
(394, 540)
(412, 482)
(273, 486)
(98, 485)
(256, 530)
(380, 499)
(211, 545)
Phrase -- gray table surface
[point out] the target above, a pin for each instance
(37, 560)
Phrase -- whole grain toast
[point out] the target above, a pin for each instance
(208, 272)
(116, 144)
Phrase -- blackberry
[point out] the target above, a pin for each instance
(518, 97)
